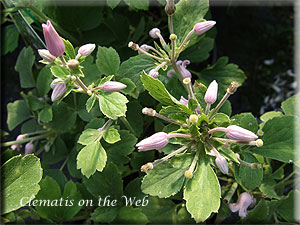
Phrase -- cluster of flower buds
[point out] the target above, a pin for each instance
(29, 147)
(244, 201)
(18, 146)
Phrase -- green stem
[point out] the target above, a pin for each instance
(44, 18)
(127, 124)
(63, 165)
(9, 143)
(170, 19)
(230, 193)
(285, 179)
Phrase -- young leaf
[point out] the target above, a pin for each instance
(163, 180)
(20, 178)
(69, 50)
(43, 82)
(17, 113)
(246, 120)
(112, 104)
(89, 136)
(24, 67)
(291, 106)
(90, 103)
(59, 72)
(108, 60)
(111, 135)
(46, 114)
(203, 192)
(91, 158)
(11, 39)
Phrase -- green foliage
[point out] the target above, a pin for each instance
(113, 3)
(43, 81)
(23, 66)
(20, 177)
(108, 60)
(112, 104)
(18, 112)
(11, 38)
(142, 4)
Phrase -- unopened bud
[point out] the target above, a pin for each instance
(187, 80)
(73, 64)
(173, 37)
(188, 174)
(154, 33)
(112, 86)
(170, 7)
(211, 93)
(233, 87)
(58, 91)
(145, 47)
(202, 27)
(29, 147)
(238, 133)
(193, 118)
(260, 132)
(146, 167)
(153, 73)
(45, 54)
(156, 141)
(149, 111)
(133, 46)
(222, 163)
(87, 49)
(55, 82)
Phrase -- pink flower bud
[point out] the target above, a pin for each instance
(202, 27)
(29, 148)
(55, 82)
(153, 33)
(145, 47)
(58, 91)
(170, 73)
(222, 164)
(238, 133)
(45, 54)
(156, 141)
(87, 49)
(211, 93)
(244, 201)
(182, 68)
(54, 42)
(153, 73)
(112, 86)
(183, 101)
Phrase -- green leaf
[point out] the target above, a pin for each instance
(11, 39)
(90, 103)
(250, 178)
(135, 117)
(112, 4)
(83, 113)
(109, 182)
(105, 214)
(111, 135)
(58, 152)
(183, 160)
(59, 72)
(130, 86)
(223, 73)
(112, 104)
(278, 139)
(91, 158)
(270, 115)
(259, 214)
(69, 49)
(108, 60)
(133, 68)
(90, 70)
(89, 136)
(291, 106)
(118, 151)
(246, 120)
(285, 209)
(267, 187)
(200, 51)
(157, 90)
(24, 67)
(17, 113)
(203, 192)
(141, 4)
(187, 14)
(43, 82)
(20, 178)
(64, 118)
(130, 215)
(163, 180)
(229, 154)
(46, 114)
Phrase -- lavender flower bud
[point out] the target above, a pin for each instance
(45, 54)
(18, 146)
(211, 93)
(183, 101)
(238, 133)
(202, 27)
(86, 50)
(29, 147)
(170, 73)
(145, 47)
(222, 164)
(244, 201)
(55, 82)
(54, 42)
(112, 86)
(156, 141)
(58, 91)
(153, 73)
(73, 64)
(153, 33)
